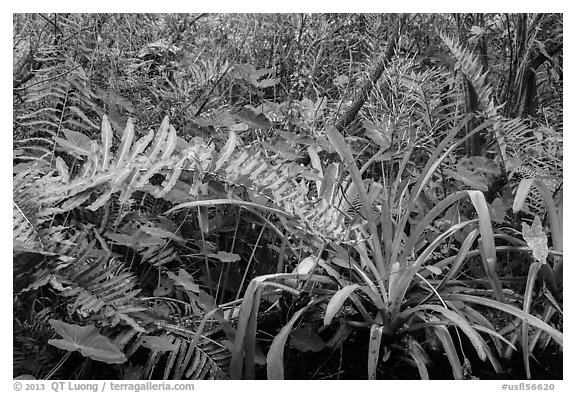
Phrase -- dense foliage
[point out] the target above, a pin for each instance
(287, 196)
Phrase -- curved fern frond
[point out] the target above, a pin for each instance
(101, 286)
(180, 360)
(134, 165)
(478, 89)
(25, 214)
(58, 98)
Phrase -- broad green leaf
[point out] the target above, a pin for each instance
(88, 341)
(75, 143)
(225, 257)
(497, 210)
(536, 239)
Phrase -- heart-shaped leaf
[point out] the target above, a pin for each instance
(75, 143)
(536, 239)
(88, 341)
(497, 210)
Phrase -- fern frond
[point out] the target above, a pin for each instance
(26, 218)
(468, 63)
(478, 88)
(99, 284)
(58, 98)
(208, 360)
(133, 165)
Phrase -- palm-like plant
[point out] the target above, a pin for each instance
(398, 280)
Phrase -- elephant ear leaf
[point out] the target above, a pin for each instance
(536, 239)
(88, 341)
(75, 143)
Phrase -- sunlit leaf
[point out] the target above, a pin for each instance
(536, 239)
(225, 257)
(75, 142)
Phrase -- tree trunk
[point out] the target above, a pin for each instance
(355, 107)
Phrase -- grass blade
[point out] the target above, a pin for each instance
(532, 274)
(488, 247)
(420, 358)
(450, 349)
(458, 320)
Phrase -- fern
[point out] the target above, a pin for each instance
(100, 285)
(58, 98)
(133, 165)
(25, 216)
(478, 90)
(178, 359)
